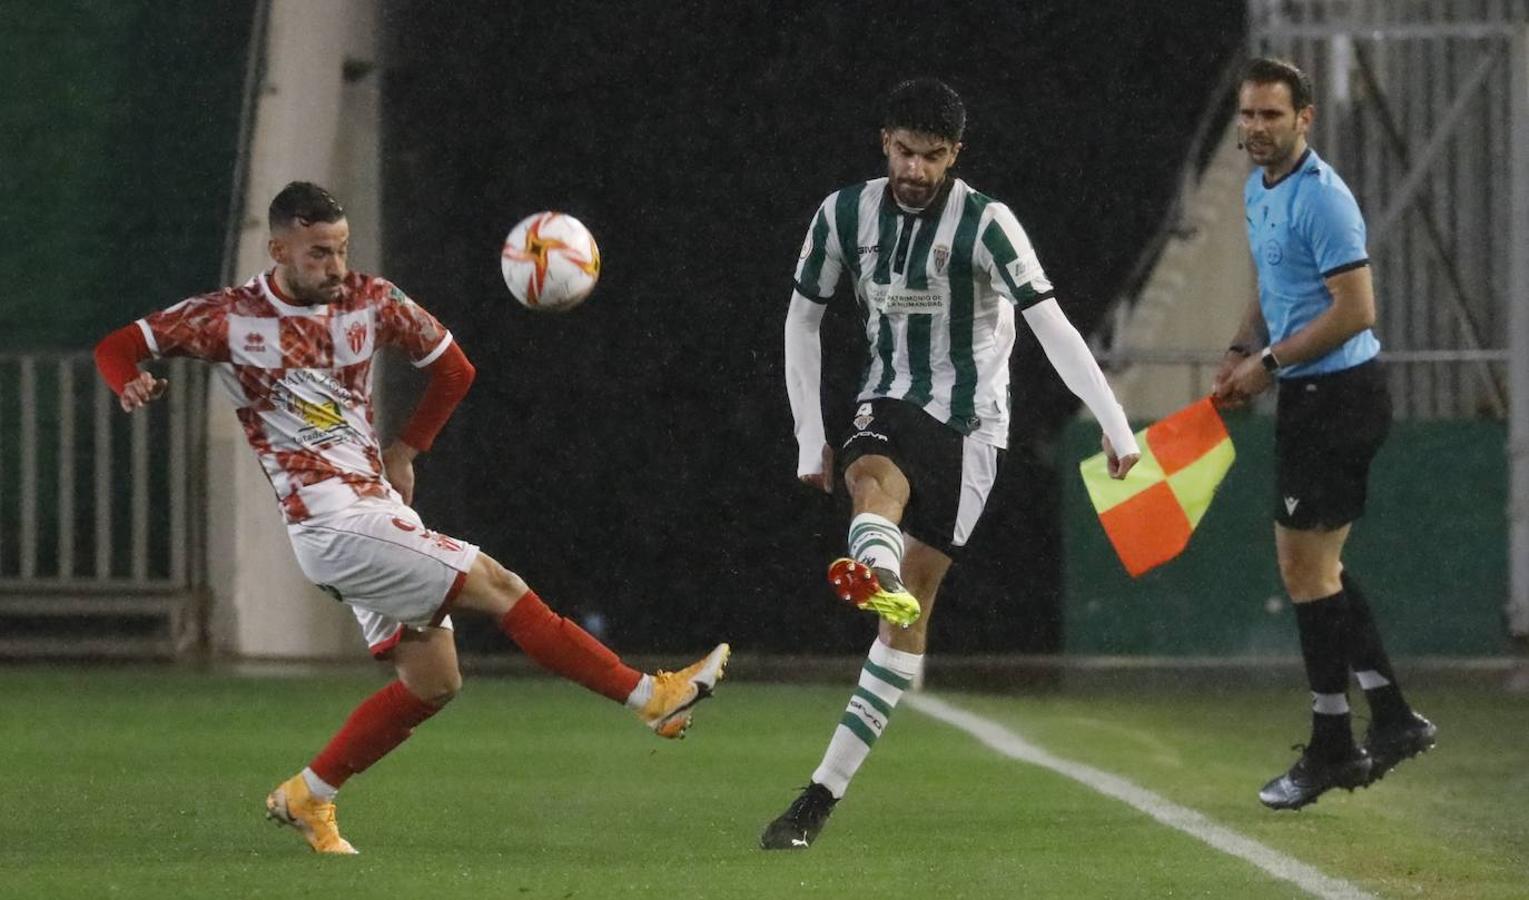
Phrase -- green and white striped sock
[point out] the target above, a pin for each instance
(877, 541)
(887, 673)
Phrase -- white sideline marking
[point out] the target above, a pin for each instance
(1171, 814)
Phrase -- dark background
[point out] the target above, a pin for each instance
(118, 133)
(634, 459)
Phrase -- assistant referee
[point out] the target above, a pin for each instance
(1309, 331)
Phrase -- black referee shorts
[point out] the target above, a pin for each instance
(1327, 430)
(949, 475)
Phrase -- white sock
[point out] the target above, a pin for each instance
(641, 694)
(1370, 680)
(877, 541)
(318, 787)
(887, 673)
(1329, 704)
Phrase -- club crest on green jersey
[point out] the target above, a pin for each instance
(862, 417)
(941, 254)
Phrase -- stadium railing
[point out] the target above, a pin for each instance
(101, 527)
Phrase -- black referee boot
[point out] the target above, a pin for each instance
(798, 826)
(1390, 745)
(1312, 776)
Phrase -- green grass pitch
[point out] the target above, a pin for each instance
(149, 783)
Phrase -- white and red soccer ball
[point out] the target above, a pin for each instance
(550, 262)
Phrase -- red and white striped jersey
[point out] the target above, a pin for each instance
(300, 378)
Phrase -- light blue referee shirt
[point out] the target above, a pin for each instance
(1302, 229)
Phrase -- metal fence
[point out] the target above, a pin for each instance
(1415, 109)
(1428, 118)
(1199, 366)
(100, 512)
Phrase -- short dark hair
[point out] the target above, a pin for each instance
(1269, 70)
(928, 105)
(305, 202)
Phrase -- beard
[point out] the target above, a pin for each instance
(1267, 152)
(322, 293)
(916, 194)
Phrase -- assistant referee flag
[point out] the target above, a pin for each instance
(1150, 514)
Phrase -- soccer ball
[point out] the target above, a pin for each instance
(550, 262)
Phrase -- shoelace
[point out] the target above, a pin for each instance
(1301, 763)
(807, 801)
(326, 812)
(887, 580)
(333, 839)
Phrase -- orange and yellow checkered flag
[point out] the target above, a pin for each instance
(1150, 514)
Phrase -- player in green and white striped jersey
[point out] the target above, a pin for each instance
(938, 270)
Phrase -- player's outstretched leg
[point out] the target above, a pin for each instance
(1397, 732)
(886, 675)
(664, 702)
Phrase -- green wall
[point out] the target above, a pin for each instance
(1431, 551)
(118, 135)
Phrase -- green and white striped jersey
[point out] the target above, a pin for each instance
(937, 289)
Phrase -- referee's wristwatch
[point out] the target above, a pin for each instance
(1270, 361)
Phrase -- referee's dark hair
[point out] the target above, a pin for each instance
(1269, 70)
(305, 203)
(928, 105)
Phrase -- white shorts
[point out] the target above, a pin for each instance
(379, 558)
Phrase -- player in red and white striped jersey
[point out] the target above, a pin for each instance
(293, 348)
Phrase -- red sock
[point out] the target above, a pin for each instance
(565, 648)
(382, 721)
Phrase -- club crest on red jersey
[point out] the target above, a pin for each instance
(442, 541)
(355, 335)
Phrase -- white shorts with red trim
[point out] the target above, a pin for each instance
(379, 558)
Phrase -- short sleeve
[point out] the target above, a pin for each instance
(1010, 260)
(404, 324)
(821, 261)
(1335, 230)
(196, 327)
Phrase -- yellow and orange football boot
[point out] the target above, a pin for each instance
(667, 712)
(293, 804)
